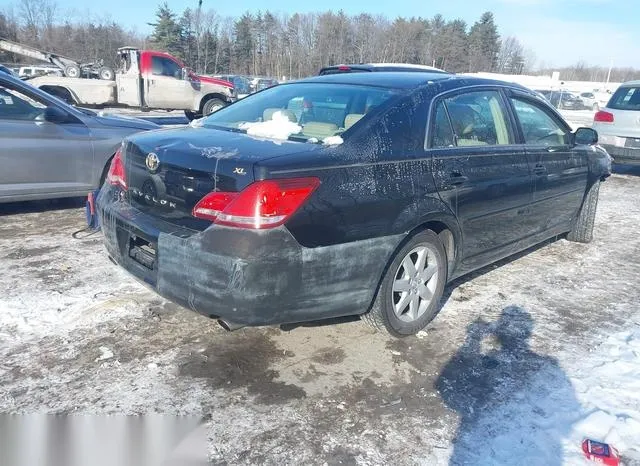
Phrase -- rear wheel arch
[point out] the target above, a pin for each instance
(440, 220)
(60, 92)
(449, 234)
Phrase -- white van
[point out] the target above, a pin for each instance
(29, 71)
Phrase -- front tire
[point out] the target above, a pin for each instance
(582, 231)
(410, 292)
(211, 106)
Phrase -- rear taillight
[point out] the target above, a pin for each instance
(263, 204)
(344, 68)
(603, 117)
(116, 175)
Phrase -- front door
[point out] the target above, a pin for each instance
(481, 174)
(165, 87)
(39, 157)
(560, 170)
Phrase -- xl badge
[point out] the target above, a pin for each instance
(239, 171)
(152, 162)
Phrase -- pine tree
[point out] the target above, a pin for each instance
(167, 33)
(484, 44)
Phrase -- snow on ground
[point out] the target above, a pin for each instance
(525, 358)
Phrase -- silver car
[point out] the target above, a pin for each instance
(618, 124)
(49, 149)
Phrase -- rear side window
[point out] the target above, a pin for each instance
(625, 98)
(442, 133)
(538, 127)
(477, 119)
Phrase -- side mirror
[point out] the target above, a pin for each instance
(585, 137)
(55, 115)
(186, 74)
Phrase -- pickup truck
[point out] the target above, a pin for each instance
(147, 80)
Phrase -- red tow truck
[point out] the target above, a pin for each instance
(146, 80)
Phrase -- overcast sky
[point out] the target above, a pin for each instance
(560, 32)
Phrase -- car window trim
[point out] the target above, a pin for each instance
(546, 109)
(428, 146)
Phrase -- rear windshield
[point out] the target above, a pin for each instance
(308, 112)
(625, 98)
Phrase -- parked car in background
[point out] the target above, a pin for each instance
(589, 100)
(50, 149)
(366, 67)
(618, 124)
(562, 99)
(265, 83)
(366, 209)
(33, 71)
(241, 84)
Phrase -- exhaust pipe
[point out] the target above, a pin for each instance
(229, 326)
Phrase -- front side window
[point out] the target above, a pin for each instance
(162, 66)
(538, 127)
(477, 119)
(309, 111)
(15, 105)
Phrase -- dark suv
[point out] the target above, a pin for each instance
(356, 193)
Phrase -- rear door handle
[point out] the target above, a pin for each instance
(457, 179)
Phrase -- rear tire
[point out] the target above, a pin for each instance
(582, 231)
(211, 106)
(410, 292)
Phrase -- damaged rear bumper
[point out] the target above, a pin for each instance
(249, 277)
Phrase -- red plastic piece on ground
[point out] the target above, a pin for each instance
(602, 453)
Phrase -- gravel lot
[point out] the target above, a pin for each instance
(77, 334)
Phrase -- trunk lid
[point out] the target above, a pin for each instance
(626, 123)
(169, 171)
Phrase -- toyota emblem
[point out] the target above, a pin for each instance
(152, 162)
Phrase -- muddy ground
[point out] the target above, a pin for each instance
(78, 335)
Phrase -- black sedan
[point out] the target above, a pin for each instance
(355, 193)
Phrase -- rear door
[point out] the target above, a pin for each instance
(481, 173)
(39, 157)
(560, 170)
